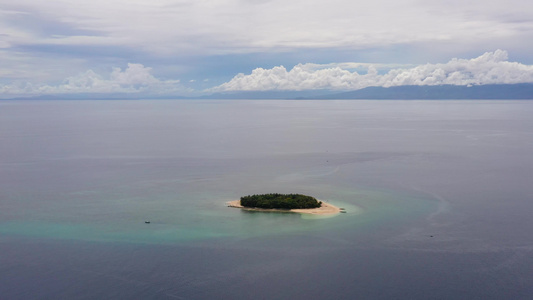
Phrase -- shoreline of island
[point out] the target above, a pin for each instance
(324, 209)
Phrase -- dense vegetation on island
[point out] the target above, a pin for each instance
(283, 201)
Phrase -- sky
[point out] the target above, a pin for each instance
(194, 47)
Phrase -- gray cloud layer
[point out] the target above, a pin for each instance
(167, 26)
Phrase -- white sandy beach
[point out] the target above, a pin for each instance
(325, 209)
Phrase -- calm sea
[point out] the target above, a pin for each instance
(439, 199)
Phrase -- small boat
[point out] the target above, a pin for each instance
(343, 211)
(147, 222)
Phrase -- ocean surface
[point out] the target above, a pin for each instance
(439, 199)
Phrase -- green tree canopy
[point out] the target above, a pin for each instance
(282, 201)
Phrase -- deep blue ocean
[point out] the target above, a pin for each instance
(439, 199)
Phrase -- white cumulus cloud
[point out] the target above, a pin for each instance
(136, 78)
(489, 68)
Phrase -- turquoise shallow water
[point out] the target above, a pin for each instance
(437, 193)
(181, 224)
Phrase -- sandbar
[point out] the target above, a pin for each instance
(325, 209)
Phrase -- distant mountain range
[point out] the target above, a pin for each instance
(440, 92)
(409, 92)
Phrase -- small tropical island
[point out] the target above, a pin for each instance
(296, 203)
